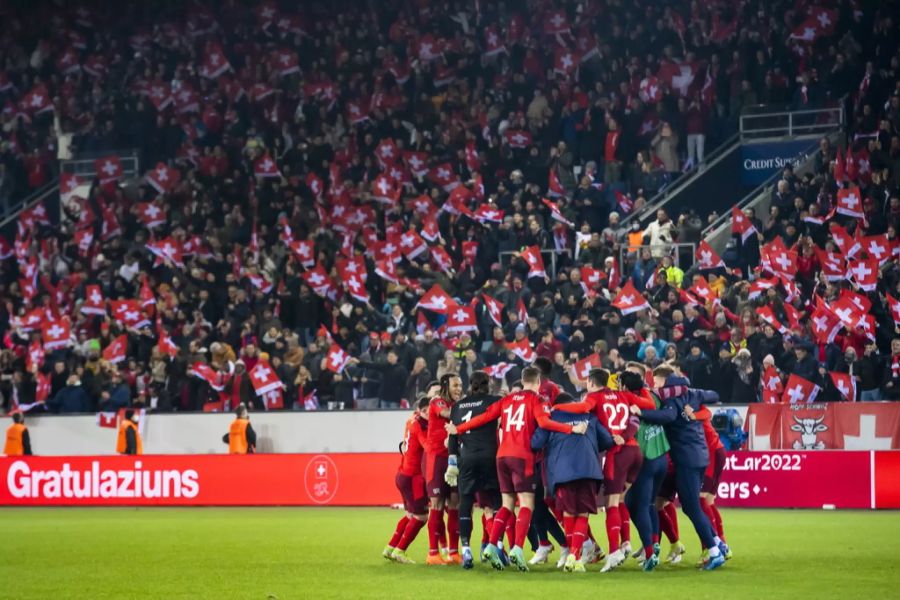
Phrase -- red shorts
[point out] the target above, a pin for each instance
(577, 497)
(515, 475)
(435, 467)
(714, 473)
(412, 489)
(667, 489)
(621, 468)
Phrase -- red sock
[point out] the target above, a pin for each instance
(554, 509)
(613, 527)
(718, 522)
(412, 530)
(666, 526)
(453, 529)
(707, 510)
(625, 516)
(499, 526)
(398, 533)
(434, 517)
(485, 528)
(441, 530)
(648, 551)
(523, 522)
(655, 538)
(511, 529)
(672, 512)
(569, 528)
(578, 535)
(590, 533)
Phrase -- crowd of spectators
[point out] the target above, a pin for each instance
(350, 124)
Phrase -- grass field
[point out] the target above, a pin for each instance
(286, 553)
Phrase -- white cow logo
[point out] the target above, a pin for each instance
(809, 429)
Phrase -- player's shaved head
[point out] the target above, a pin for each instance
(530, 375)
(636, 367)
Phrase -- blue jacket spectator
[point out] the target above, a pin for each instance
(658, 345)
(572, 457)
(116, 395)
(71, 399)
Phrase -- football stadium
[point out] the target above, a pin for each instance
(475, 298)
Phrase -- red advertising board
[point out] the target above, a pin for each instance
(783, 479)
(774, 479)
(202, 479)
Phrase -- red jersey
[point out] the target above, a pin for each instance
(414, 442)
(520, 414)
(713, 442)
(549, 391)
(437, 436)
(612, 409)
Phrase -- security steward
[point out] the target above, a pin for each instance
(18, 442)
(241, 438)
(129, 441)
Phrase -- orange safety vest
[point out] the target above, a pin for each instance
(237, 436)
(122, 443)
(635, 240)
(14, 446)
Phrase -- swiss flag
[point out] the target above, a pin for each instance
(629, 300)
(162, 178)
(584, 366)
(285, 62)
(208, 374)
(493, 43)
(532, 256)
(707, 258)
(849, 203)
(523, 350)
(151, 215)
(357, 288)
(565, 61)
(821, 22)
(115, 352)
(384, 190)
(494, 308)
(336, 359)
(765, 313)
(779, 260)
(317, 279)
(554, 188)
(84, 239)
(108, 169)
(264, 166)
(160, 95)
(894, 305)
(488, 213)
(35, 357)
(430, 229)
(470, 251)
(107, 419)
(845, 310)
(129, 313)
(167, 249)
(416, 162)
(305, 252)
(412, 244)
(772, 388)
(56, 334)
(68, 183)
(94, 302)
(499, 370)
(625, 203)
(429, 48)
(556, 22)
(214, 62)
(165, 343)
(799, 390)
(845, 384)
(461, 318)
(832, 264)
(864, 273)
(444, 176)
(357, 113)
(591, 277)
(260, 282)
(521, 310)
(37, 100)
(386, 270)
(878, 247)
(650, 90)
(386, 152)
(740, 224)
(759, 286)
(436, 300)
(517, 138)
(441, 259)
(555, 212)
(352, 267)
(264, 378)
(844, 241)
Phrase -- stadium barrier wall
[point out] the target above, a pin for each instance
(774, 479)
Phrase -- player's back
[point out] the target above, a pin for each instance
(517, 423)
(613, 410)
(437, 435)
(413, 447)
(481, 440)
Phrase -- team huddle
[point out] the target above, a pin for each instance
(632, 443)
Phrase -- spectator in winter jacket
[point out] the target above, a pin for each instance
(71, 399)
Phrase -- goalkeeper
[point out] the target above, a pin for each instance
(473, 461)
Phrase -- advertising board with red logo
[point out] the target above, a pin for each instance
(774, 479)
(832, 426)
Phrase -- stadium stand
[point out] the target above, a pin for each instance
(208, 204)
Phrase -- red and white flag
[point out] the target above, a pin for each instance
(162, 178)
(488, 213)
(878, 247)
(650, 91)
(499, 370)
(799, 390)
(845, 384)
(94, 302)
(759, 286)
(523, 350)
(357, 288)
(532, 256)
(305, 252)
(209, 375)
(412, 245)
(416, 162)
(493, 43)
(555, 212)
(740, 224)
(165, 343)
(591, 277)
(384, 190)
(894, 305)
(386, 152)
(109, 420)
(214, 62)
(833, 265)
(264, 166)
(108, 169)
(629, 300)
(864, 273)
(772, 389)
(584, 366)
(150, 215)
(848, 246)
(461, 318)
(565, 61)
(707, 258)
(129, 313)
(285, 62)
(849, 203)
(264, 378)
(494, 308)
(441, 259)
(116, 350)
(517, 138)
(436, 300)
(36, 101)
(336, 359)
(56, 334)
(555, 189)
(260, 282)
(765, 313)
(444, 176)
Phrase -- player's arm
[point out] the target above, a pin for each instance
(585, 406)
(438, 409)
(539, 438)
(704, 414)
(662, 416)
(541, 414)
(704, 396)
(491, 414)
(604, 437)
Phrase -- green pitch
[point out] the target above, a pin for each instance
(286, 553)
